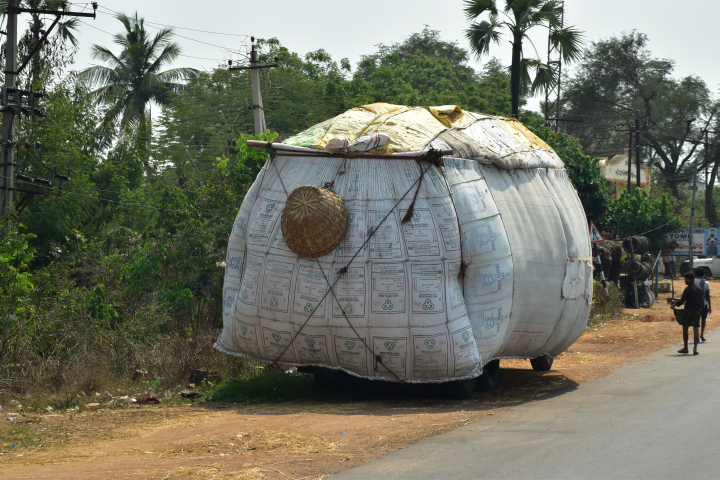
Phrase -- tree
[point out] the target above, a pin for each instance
(134, 78)
(583, 170)
(712, 157)
(522, 15)
(425, 70)
(619, 83)
(204, 122)
(638, 214)
(16, 286)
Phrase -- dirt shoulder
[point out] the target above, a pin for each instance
(307, 439)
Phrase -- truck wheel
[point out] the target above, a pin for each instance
(708, 273)
(488, 380)
(461, 389)
(543, 363)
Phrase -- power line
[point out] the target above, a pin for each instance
(212, 136)
(151, 24)
(126, 203)
(664, 224)
(180, 55)
(182, 28)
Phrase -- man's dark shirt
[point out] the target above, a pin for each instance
(693, 295)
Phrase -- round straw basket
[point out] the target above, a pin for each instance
(314, 221)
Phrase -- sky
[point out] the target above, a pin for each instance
(352, 29)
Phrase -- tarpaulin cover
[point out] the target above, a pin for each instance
(399, 308)
(411, 129)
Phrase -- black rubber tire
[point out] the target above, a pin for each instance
(488, 380)
(543, 363)
(708, 273)
(461, 389)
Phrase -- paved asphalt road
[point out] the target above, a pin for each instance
(657, 418)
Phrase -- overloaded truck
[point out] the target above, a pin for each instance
(408, 244)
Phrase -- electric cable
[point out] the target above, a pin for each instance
(148, 207)
(181, 28)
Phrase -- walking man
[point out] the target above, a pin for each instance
(707, 305)
(692, 297)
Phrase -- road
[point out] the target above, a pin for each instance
(656, 418)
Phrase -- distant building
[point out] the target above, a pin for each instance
(615, 170)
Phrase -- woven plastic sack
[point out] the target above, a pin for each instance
(368, 142)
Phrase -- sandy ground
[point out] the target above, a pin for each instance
(307, 439)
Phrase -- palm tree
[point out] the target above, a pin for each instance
(519, 16)
(133, 78)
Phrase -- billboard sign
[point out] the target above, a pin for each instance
(712, 242)
(701, 240)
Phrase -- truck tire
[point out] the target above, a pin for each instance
(543, 363)
(461, 389)
(708, 272)
(488, 380)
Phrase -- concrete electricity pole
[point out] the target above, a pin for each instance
(258, 110)
(8, 150)
(692, 222)
(638, 166)
(16, 101)
(629, 164)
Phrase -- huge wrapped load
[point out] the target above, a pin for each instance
(464, 242)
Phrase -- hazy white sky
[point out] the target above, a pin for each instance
(351, 29)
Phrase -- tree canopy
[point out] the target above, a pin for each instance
(134, 77)
(618, 85)
(517, 17)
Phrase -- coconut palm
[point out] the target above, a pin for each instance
(133, 78)
(517, 17)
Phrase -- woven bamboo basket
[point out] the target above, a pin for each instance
(314, 221)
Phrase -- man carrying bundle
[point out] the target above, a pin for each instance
(692, 297)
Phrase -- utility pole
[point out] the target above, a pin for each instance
(707, 160)
(629, 165)
(258, 110)
(16, 101)
(637, 152)
(8, 150)
(692, 221)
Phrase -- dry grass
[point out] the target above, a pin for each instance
(255, 441)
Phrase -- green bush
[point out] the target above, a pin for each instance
(605, 307)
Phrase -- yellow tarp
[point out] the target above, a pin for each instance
(522, 134)
(410, 128)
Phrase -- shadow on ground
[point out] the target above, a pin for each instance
(514, 386)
